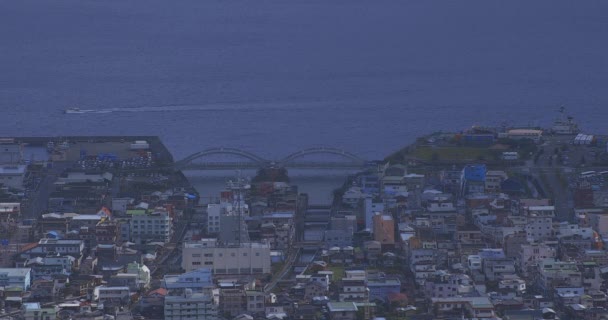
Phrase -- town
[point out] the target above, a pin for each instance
(486, 223)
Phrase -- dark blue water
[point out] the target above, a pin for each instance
(275, 76)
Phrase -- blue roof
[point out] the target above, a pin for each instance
(475, 172)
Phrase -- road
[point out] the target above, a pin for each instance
(291, 258)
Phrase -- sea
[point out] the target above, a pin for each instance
(276, 76)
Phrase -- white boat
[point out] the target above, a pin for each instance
(77, 110)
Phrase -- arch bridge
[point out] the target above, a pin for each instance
(253, 161)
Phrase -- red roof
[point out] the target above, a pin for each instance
(397, 297)
(159, 291)
(29, 246)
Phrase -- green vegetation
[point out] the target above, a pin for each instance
(435, 154)
(338, 272)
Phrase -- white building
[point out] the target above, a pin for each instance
(190, 306)
(246, 258)
(190, 296)
(151, 226)
(115, 294)
(16, 277)
(74, 248)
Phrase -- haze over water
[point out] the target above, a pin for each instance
(276, 76)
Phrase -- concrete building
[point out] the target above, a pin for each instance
(189, 306)
(12, 176)
(554, 273)
(74, 248)
(105, 294)
(342, 310)
(190, 296)
(16, 277)
(472, 307)
(35, 311)
(530, 256)
(354, 286)
(155, 225)
(243, 259)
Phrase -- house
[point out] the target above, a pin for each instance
(380, 289)
(471, 307)
(354, 286)
(342, 310)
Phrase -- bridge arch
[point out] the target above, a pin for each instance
(214, 151)
(322, 150)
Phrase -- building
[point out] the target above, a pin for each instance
(16, 277)
(47, 267)
(112, 294)
(190, 296)
(74, 248)
(554, 273)
(473, 179)
(189, 305)
(9, 211)
(354, 286)
(469, 307)
(35, 311)
(280, 229)
(155, 225)
(12, 176)
(227, 259)
(380, 289)
(342, 310)
(532, 134)
(384, 230)
(531, 254)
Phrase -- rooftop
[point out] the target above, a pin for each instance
(342, 306)
(15, 272)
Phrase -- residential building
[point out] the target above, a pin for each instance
(189, 306)
(342, 310)
(154, 225)
(12, 176)
(381, 288)
(35, 311)
(554, 273)
(354, 286)
(190, 296)
(531, 254)
(469, 307)
(16, 277)
(384, 230)
(246, 258)
(112, 294)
